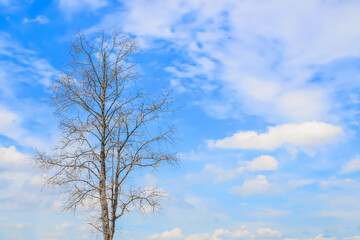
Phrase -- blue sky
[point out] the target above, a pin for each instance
(270, 94)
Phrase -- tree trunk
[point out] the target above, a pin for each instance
(103, 201)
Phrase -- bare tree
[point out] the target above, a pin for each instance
(110, 129)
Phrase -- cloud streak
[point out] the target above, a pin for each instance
(40, 19)
(241, 233)
(218, 174)
(352, 166)
(20, 112)
(306, 134)
(69, 7)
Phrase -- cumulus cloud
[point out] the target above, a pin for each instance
(10, 158)
(262, 163)
(176, 233)
(300, 135)
(40, 19)
(351, 166)
(255, 186)
(242, 233)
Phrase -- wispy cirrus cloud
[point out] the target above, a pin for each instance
(20, 113)
(218, 174)
(251, 53)
(39, 19)
(69, 7)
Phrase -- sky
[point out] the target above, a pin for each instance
(269, 118)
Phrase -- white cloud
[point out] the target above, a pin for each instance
(221, 175)
(7, 118)
(262, 163)
(219, 234)
(11, 126)
(292, 184)
(12, 183)
(11, 158)
(199, 236)
(321, 237)
(172, 234)
(340, 204)
(40, 19)
(62, 226)
(36, 181)
(267, 232)
(159, 16)
(70, 6)
(22, 64)
(342, 183)
(259, 185)
(340, 214)
(262, 53)
(299, 135)
(218, 174)
(150, 180)
(256, 186)
(242, 233)
(17, 109)
(351, 166)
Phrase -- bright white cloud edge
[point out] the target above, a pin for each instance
(305, 134)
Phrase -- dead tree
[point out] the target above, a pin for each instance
(110, 129)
